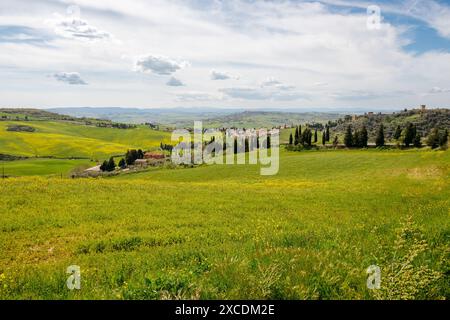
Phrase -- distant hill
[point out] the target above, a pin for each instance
(211, 117)
(165, 116)
(31, 114)
(268, 119)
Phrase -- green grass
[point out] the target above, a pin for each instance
(65, 140)
(37, 167)
(213, 232)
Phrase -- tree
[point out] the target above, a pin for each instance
(140, 154)
(355, 139)
(104, 166)
(417, 142)
(348, 138)
(324, 138)
(443, 139)
(122, 163)
(291, 141)
(306, 137)
(433, 138)
(379, 141)
(111, 165)
(315, 136)
(296, 135)
(363, 138)
(398, 133)
(131, 156)
(327, 133)
(335, 141)
(410, 133)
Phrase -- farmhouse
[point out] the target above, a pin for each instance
(140, 162)
(93, 169)
(153, 155)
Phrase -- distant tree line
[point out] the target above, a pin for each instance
(115, 125)
(166, 147)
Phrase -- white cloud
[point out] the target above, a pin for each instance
(436, 90)
(270, 81)
(174, 82)
(70, 78)
(217, 75)
(159, 65)
(75, 28)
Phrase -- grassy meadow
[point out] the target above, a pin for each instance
(225, 232)
(43, 167)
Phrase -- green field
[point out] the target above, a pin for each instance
(215, 232)
(42, 167)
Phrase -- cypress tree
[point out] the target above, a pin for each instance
(410, 133)
(315, 136)
(433, 138)
(131, 156)
(443, 139)
(356, 142)
(348, 138)
(380, 137)
(291, 141)
(323, 138)
(111, 164)
(416, 141)
(296, 136)
(104, 166)
(306, 137)
(122, 163)
(335, 141)
(363, 138)
(327, 133)
(398, 133)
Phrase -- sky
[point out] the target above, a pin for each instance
(315, 55)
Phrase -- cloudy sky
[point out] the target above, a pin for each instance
(230, 53)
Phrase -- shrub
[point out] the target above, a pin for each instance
(404, 276)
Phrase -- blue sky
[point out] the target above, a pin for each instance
(234, 53)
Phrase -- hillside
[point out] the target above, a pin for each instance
(424, 121)
(52, 141)
(72, 140)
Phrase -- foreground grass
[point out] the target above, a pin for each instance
(309, 232)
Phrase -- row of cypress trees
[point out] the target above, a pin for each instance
(306, 137)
